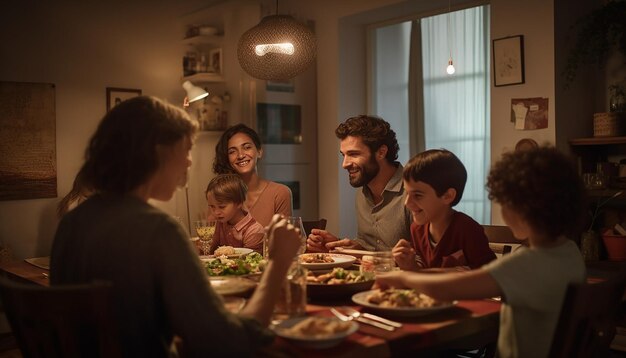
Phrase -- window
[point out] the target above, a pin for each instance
(430, 109)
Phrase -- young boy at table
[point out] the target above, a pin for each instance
(541, 198)
(235, 227)
(441, 237)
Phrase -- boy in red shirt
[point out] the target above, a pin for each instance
(441, 236)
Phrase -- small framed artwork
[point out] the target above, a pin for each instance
(508, 61)
(116, 95)
(215, 60)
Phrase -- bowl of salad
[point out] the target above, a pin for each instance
(338, 283)
(251, 264)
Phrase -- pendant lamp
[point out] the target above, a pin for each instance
(278, 48)
(450, 68)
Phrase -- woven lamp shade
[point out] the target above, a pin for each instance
(260, 56)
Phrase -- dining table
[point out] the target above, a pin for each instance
(466, 325)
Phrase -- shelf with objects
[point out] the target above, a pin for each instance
(202, 61)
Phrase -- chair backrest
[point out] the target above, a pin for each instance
(62, 321)
(501, 239)
(317, 224)
(588, 317)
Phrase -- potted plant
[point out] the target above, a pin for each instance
(598, 34)
(589, 241)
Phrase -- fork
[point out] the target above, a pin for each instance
(356, 314)
(360, 319)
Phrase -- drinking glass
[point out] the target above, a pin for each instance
(296, 221)
(383, 261)
(205, 230)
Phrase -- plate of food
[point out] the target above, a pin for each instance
(315, 332)
(325, 261)
(400, 302)
(337, 283)
(231, 252)
(251, 264)
(232, 285)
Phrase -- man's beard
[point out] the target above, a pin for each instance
(366, 173)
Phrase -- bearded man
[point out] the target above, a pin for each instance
(370, 149)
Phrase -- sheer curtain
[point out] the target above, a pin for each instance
(430, 109)
(456, 107)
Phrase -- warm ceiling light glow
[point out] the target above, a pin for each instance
(450, 69)
(284, 48)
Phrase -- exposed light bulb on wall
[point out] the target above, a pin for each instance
(450, 69)
(283, 48)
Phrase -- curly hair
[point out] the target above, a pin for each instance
(227, 188)
(440, 169)
(221, 164)
(543, 186)
(122, 153)
(374, 131)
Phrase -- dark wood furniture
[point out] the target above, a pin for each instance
(315, 224)
(61, 321)
(588, 317)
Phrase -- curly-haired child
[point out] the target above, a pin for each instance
(542, 198)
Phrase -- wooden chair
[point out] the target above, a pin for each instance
(501, 239)
(588, 317)
(61, 321)
(318, 224)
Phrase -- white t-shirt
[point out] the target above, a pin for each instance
(533, 282)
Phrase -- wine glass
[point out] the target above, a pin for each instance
(296, 221)
(205, 230)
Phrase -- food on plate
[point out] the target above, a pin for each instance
(401, 298)
(223, 266)
(316, 258)
(224, 250)
(338, 276)
(317, 327)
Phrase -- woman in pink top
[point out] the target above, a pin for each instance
(237, 152)
(235, 227)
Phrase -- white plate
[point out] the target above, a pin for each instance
(41, 262)
(231, 285)
(313, 342)
(239, 251)
(341, 260)
(361, 299)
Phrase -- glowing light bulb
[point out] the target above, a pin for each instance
(450, 69)
(281, 48)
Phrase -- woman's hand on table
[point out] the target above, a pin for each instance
(404, 255)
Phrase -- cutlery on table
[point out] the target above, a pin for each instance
(356, 314)
(364, 320)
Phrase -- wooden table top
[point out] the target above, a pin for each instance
(470, 324)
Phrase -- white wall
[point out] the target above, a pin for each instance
(84, 47)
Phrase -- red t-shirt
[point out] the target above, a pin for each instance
(463, 244)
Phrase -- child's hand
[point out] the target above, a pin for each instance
(404, 254)
(284, 239)
(392, 279)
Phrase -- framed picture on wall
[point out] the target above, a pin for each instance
(116, 95)
(215, 60)
(508, 61)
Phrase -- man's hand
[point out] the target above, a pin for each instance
(317, 240)
(404, 255)
(345, 243)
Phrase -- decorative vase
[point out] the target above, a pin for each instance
(615, 246)
(589, 246)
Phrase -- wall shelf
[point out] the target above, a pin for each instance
(597, 141)
(204, 77)
(215, 40)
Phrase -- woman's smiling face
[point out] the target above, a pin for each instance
(243, 153)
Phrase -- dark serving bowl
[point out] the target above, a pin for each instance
(322, 291)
